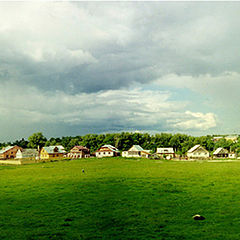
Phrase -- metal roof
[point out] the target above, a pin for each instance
(136, 148)
(81, 148)
(6, 149)
(193, 148)
(112, 148)
(220, 150)
(50, 149)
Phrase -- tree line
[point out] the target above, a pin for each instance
(123, 141)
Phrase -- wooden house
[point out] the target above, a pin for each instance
(167, 153)
(220, 153)
(9, 152)
(52, 152)
(107, 151)
(198, 152)
(136, 151)
(79, 152)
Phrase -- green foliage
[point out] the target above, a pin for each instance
(123, 141)
(37, 139)
(223, 143)
(21, 143)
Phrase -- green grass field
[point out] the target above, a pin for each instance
(120, 199)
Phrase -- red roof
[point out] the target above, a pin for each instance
(81, 148)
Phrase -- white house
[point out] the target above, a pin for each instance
(107, 151)
(232, 155)
(165, 152)
(197, 152)
(220, 153)
(136, 151)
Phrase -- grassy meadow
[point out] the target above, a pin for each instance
(119, 198)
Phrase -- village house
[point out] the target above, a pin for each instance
(9, 152)
(220, 153)
(215, 139)
(197, 152)
(232, 138)
(28, 153)
(167, 153)
(52, 152)
(136, 151)
(232, 155)
(107, 151)
(79, 152)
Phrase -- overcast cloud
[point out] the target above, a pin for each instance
(70, 68)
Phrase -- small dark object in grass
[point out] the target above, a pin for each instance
(83, 171)
(198, 217)
(67, 219)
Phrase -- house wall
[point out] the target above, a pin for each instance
(54, 155)
(131, 154)
(220, 155)
(101, 154)
(137, 154)
(144, 155)
(18, 154)
(44, 154)
(232, 155)
(199, 153)
(11, 153)
(76, 153)
(168, 155)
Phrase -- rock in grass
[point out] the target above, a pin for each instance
(198, 217)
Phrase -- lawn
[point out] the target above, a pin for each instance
(119, 198)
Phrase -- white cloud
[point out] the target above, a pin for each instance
(73, 63)
(194, 120)
(117, 110)
(99, 46)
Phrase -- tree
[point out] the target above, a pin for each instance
(224, 144)
(37, 139)
(72, 143)
(21, 143)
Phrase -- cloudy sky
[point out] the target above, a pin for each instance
(71, 68)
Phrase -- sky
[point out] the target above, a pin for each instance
(72, 68)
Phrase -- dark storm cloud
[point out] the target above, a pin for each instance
(80, 47)
(103, 67)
